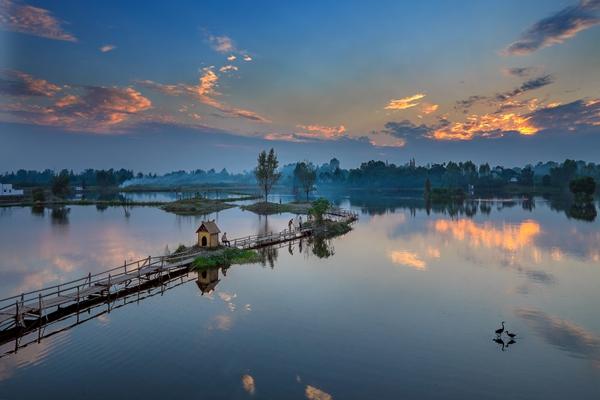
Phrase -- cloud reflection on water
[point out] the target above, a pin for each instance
(563, 334)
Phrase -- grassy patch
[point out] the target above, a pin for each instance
(226, 258)
(266, 208)
(329, 229)
(196, 206)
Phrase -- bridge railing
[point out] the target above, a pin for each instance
(133, 269)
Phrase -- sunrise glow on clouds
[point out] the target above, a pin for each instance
(235, 84)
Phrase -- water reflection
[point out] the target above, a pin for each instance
(563, 334)
(507, 237)
(459, 269)
(60, 215)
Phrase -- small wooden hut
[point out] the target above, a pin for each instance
(208, 234)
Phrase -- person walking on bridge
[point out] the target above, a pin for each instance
(290, 224)
(224, 240)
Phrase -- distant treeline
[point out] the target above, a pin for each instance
(371, 174)
(88, 177)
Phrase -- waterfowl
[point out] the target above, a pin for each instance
(499, 331)
(510, 334)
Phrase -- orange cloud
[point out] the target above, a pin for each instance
(97, 109)
(485, 126)
(428, 108)
(321, 131)
(313, 393)
(408, 259)
(31, 20)
(205, 92)
(18, 83)
(509, 237)
(248, 384)
(404, 103)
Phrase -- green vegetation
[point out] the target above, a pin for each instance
(266, 171)
(196, 206)
(225, 258)
(441, 195)
(265, 208)
(180, 249)
(60, 184)
(319, 208)
(583, 187)
(329, 229)
(38, 195)
(305, 176)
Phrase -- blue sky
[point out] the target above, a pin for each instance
(90, 83)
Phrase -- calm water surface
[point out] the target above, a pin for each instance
(404, 306)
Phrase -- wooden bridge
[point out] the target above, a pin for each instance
(29, 310)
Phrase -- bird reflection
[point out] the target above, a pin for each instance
(500, 342)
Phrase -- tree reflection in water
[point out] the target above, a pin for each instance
(60, 215)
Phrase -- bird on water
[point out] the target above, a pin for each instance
(511, 334)
(499, 331)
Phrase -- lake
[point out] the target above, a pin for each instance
(403, 306)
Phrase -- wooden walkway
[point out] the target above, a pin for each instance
(31, 308)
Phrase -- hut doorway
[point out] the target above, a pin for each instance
(204, 242)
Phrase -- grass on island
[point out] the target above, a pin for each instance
(196, 206)
(225, 258)
(329, 229)
(266, 208)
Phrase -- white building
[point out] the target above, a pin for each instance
(6, 189)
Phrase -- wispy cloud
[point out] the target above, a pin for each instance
(556, 28)
(18, 83)
(107, 47)
(321, 131)
(36, 21)
(205, 92)
(405, 102)
(428, 108)
(228, 68)
(222, 44)
(520, 72)
(84, 108)
(500, 98)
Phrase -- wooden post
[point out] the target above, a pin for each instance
(89, 279)
(125, 266)
(40, 304)
(16, 312)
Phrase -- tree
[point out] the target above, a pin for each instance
(427, 193)
(266, 171)
(38, 195)
(305, 175)
(526, 177)
(60, 184)
(583, 187)
(319, 208)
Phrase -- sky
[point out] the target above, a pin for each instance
(160, 86)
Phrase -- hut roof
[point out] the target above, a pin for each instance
(208, 226)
